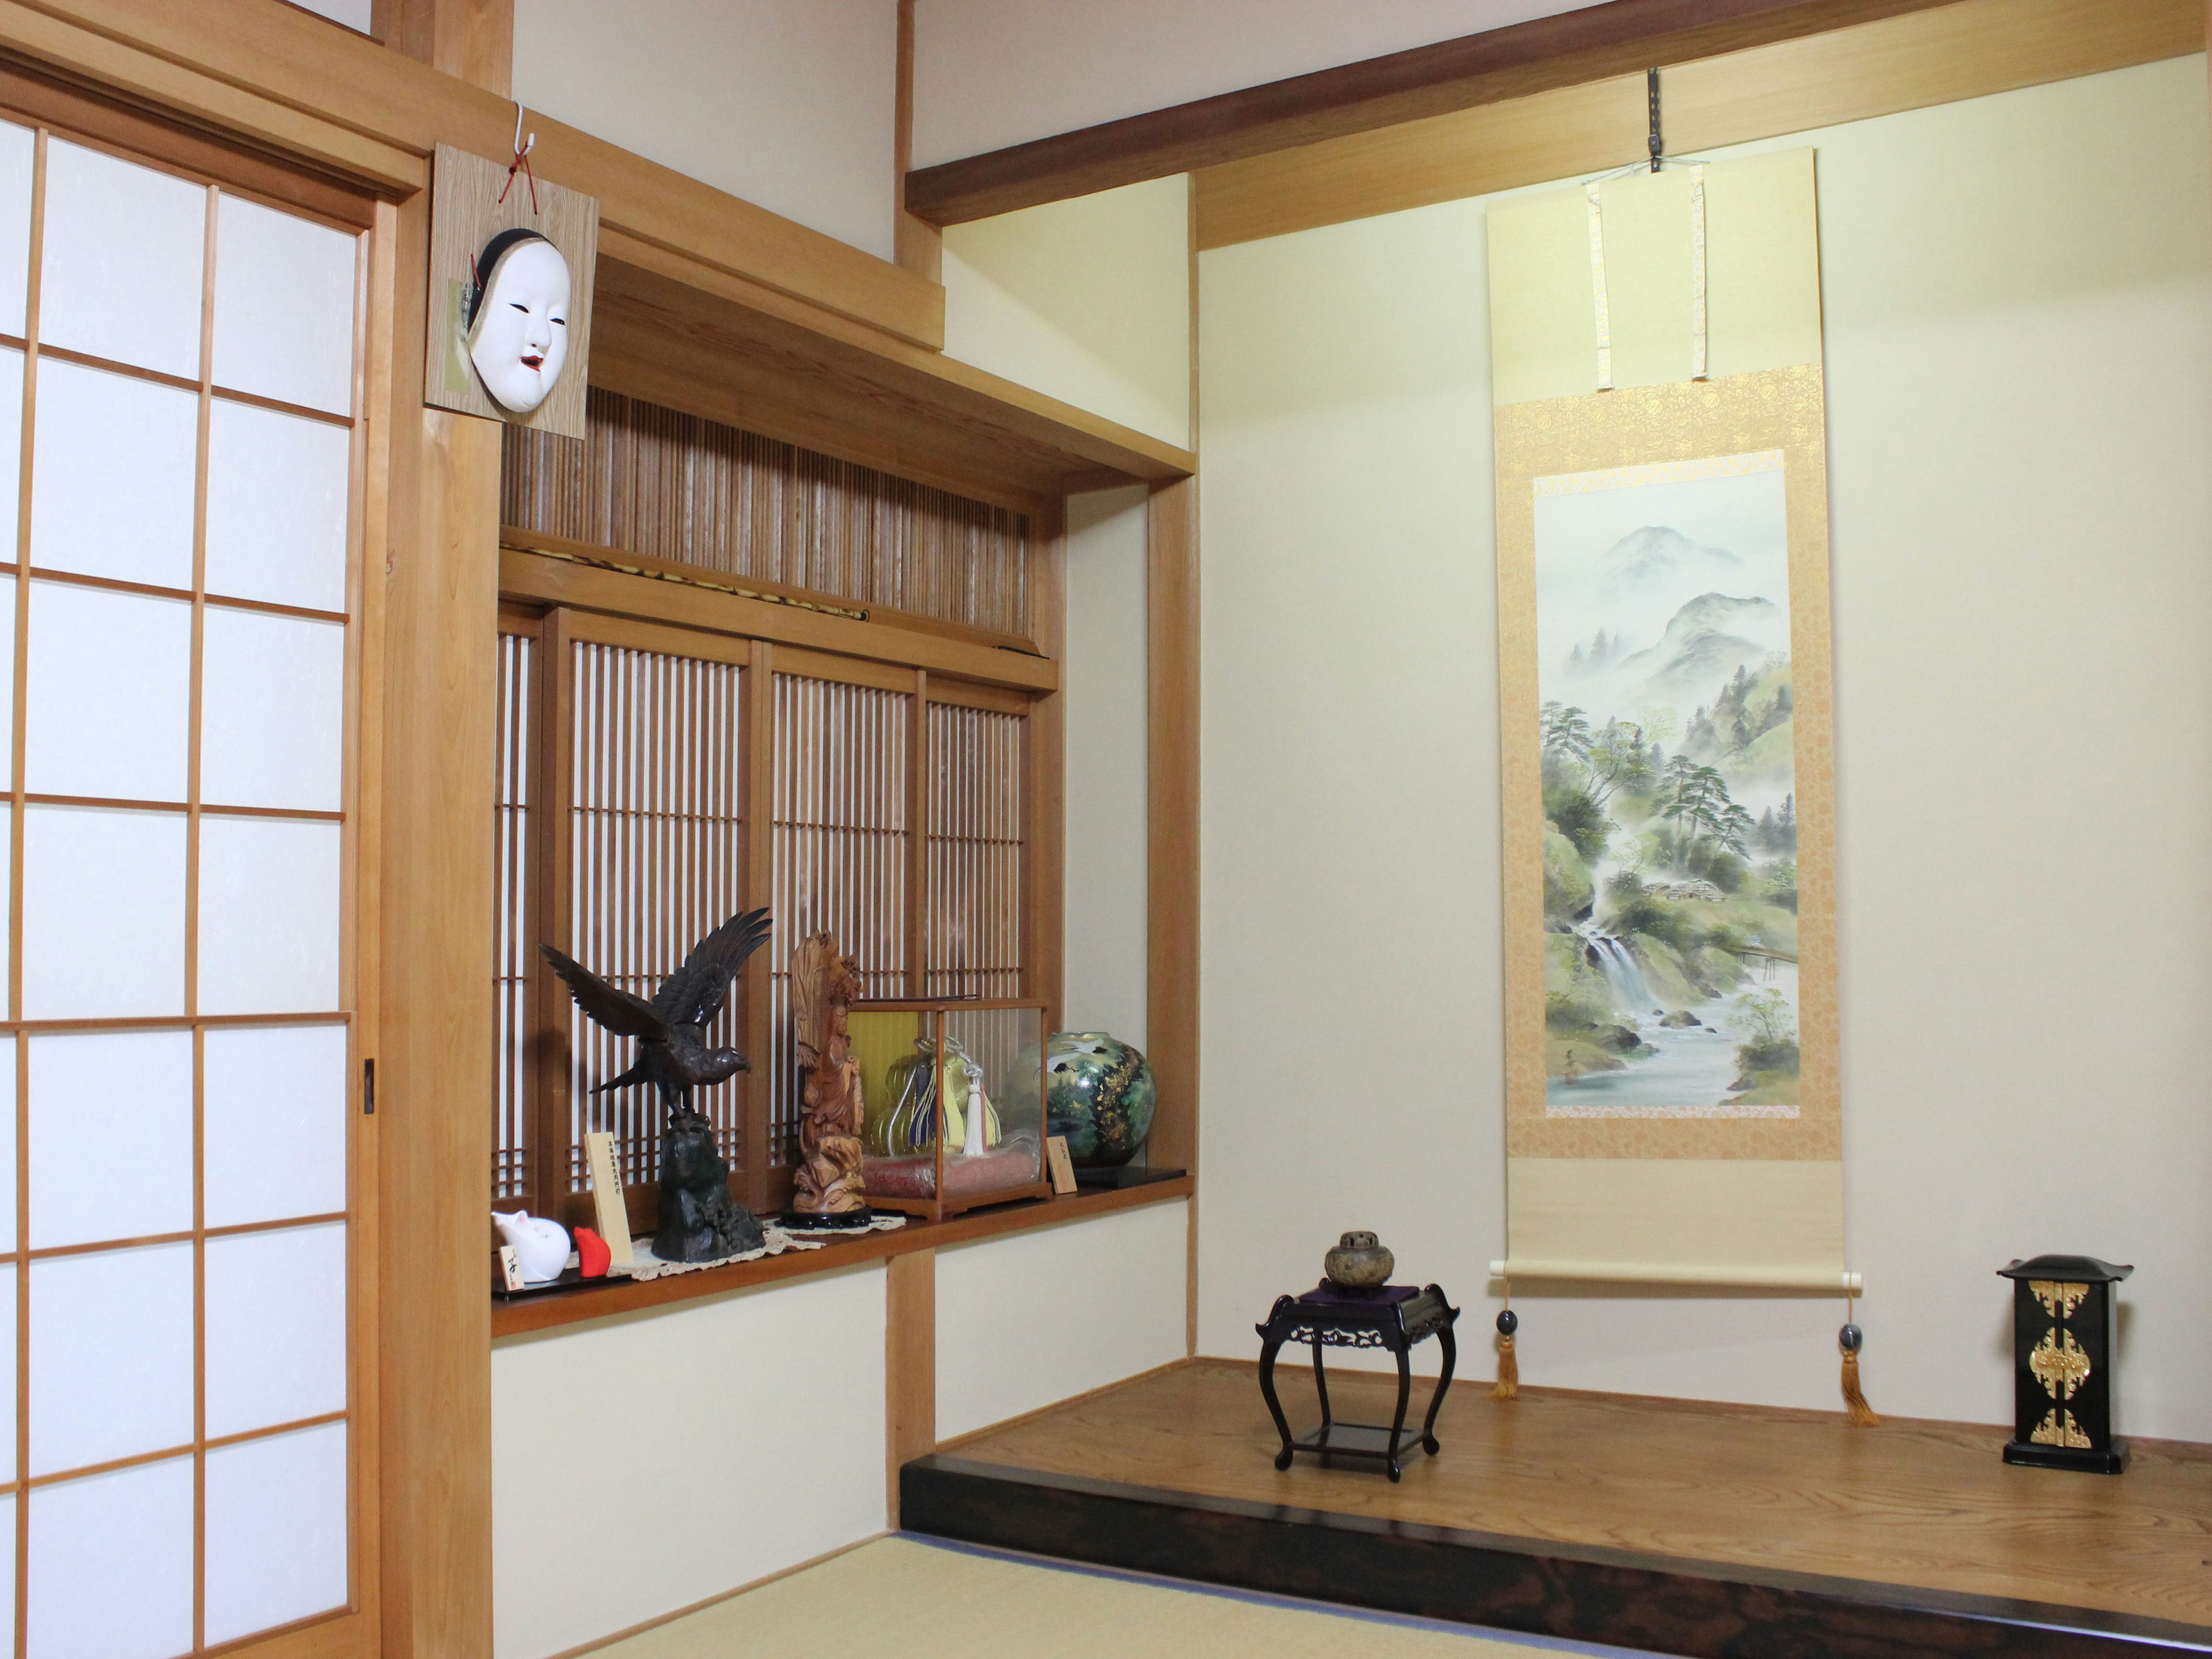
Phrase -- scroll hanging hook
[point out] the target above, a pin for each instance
(1651, 89)
(521, 162)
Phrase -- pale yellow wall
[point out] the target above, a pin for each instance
(1104, 922)
(1087, 300)
(2019, 337)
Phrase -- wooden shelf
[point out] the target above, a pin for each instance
(671, 331)
(616, 1296)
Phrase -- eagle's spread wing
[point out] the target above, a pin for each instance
(693, 994)
(615, 1009)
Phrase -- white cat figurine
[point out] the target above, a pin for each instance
(540, 1247)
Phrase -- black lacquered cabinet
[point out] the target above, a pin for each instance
(2064, 1327)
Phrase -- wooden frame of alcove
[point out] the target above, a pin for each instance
(831, 349)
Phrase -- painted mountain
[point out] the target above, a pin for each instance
(1704, 643)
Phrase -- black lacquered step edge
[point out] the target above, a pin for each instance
(1700, 1609)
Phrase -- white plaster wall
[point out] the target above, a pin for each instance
(2018, 303)
(990, 73)
(1032, 1318)
(642, 1464)
(1106, 763)
(354, 14)
(1087, 300)
(790, 106)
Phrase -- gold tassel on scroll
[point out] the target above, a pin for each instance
(1509, 1369)
(1851, 1339)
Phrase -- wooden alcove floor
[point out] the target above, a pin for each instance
(1917, 1503)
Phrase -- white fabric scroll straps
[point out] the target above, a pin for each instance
(1698, 358)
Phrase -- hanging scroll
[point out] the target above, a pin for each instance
(1672, 1092)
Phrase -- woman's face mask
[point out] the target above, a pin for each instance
(521, 335)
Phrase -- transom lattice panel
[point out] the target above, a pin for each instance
(512, 827)
(177, 1060)
(976, 835)
(656, 862)
(840, 851)
(676, 486)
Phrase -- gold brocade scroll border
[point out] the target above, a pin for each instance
(1782, 409)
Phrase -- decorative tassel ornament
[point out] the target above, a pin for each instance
(1509, 1369)
(1850, 1339)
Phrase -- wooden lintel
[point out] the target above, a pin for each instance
(556, 581)
(1967, 49)
(1590, 44)
(676, 571)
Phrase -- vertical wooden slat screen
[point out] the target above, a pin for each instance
(674, 486)
(840, 856)
(976, 831)
(656, 864)
(511, 1141)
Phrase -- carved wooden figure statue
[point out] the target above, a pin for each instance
(822, 985)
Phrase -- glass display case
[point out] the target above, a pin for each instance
(955, 1093)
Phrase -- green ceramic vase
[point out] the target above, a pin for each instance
(1099, 1095)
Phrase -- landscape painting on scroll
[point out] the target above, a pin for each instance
(1669, 790)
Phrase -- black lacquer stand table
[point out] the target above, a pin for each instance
(1393, 1318)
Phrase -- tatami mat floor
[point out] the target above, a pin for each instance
(924, 1600)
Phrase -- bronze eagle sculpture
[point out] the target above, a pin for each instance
(699, 1219)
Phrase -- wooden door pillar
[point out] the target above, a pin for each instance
(439, 712)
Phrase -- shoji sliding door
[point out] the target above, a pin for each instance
(178, 1072)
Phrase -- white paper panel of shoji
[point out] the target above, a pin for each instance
(109, 691)
(16, 147)
(275, 1530)
(103, 913)
(283, 306)
(11, 446)
(272, 711)
(7, 898)
(7, 1105)
(8, 1357)
(136, 1086)
(268, 916)
(110, 1565)
(276, 506)
(110, 1355)
(113, 476)
(276, 1115)
(8, 1558)
(276, 1327)
(125, 249)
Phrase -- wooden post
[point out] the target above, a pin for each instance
(1044, 902)
(915, 243)
(1171, 1034)
(909, 1366)
(440, 698)
(472, 40)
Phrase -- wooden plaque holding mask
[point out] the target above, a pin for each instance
(511, 267)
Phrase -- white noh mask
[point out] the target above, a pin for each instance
(519, 336)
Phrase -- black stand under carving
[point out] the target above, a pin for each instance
(1393, 1319)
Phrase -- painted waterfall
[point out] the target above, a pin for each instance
(1669, 791)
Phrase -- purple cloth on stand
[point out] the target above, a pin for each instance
(1335, 1296)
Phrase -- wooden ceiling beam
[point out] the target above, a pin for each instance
(1595, 43)
(1968, 48)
